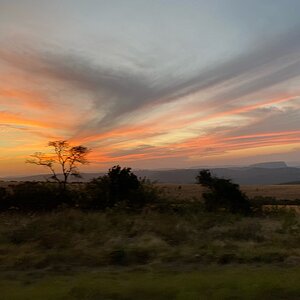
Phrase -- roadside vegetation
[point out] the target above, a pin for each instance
(121, 220)
(207, 283)
(122, 237)
(71, 238)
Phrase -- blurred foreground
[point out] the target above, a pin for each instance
(226, 282)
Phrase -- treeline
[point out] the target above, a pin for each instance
(120, 188)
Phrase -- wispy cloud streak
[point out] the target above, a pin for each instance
(133, 109)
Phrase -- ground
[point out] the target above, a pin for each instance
(207, 283)
(162, 253)
(188, 191)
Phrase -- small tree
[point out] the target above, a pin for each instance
(223, 194)
(65, 159)
(122, 182)
(120, 186)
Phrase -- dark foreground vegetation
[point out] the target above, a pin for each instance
(209, 283)
(170, 254)
(119, 187)
(120, 237)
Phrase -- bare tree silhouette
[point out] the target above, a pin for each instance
(64, 158)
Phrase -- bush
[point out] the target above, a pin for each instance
(119, 187)
(223, 194)
(3, 198)
(35, 196)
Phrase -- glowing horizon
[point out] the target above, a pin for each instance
(150, 84)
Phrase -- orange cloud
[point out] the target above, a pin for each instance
(154, 130)
(29, 99)
(10, 118)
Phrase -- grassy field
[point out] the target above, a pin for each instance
(162, 253)
(73, 239)
(189, 191)
(228, 282)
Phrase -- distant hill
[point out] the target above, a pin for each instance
(252, 175)
(246, 175)
(270, 165)
(44, 177)
(291, 183)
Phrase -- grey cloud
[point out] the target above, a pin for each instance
(279, 121)
(124, 89)
(282, 51)
(128, 89)
(262, 82)
(142, 149)
(264, 112)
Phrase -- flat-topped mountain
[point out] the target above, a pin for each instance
(270, 165)
(246, 175)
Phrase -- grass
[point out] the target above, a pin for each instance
(72, 239)
(227, 282)
(175, 253)
(189, 191)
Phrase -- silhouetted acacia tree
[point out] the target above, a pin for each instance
(64, 158)
(223, 194)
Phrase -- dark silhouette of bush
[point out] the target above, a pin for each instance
(3, 198)
(223, 194)
(36, 196)
(122, 182)
(119, 187)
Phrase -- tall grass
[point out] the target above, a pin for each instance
(72, 238)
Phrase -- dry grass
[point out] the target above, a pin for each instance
(190, 191)
(74, 239)
(156, 254)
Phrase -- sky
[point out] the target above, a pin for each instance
(150, 84)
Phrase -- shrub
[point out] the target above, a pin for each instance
(223, 194)
(119, 187)
(122, 182)
(3, 198)
(36, 196)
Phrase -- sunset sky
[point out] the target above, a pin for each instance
(150, 84)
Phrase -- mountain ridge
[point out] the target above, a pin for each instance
(252, 175)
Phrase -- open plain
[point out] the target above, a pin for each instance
(192, 191)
